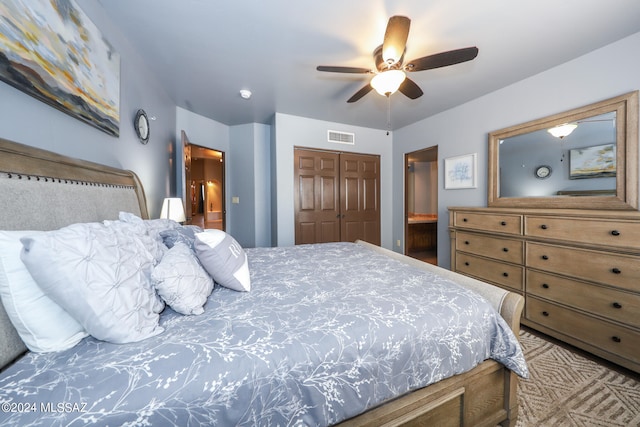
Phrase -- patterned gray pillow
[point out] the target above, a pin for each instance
(185, 234)
(100, 276)
(181, 281)
(225, 260)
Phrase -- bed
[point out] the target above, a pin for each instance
(334, 334)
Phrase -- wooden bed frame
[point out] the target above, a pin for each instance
(41, 190)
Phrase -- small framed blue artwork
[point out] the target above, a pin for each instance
(460, 172)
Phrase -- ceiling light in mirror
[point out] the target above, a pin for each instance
(562, 130)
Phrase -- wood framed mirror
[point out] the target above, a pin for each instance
(593, 166)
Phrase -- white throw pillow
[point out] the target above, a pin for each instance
(42, 324)
(225, 260)
(100, 276)
(181, 281)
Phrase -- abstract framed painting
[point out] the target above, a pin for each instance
(52, 51)
(592, 162)
(460, 172)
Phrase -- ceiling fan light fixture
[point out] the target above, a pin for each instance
(387, 82)
(563, 130)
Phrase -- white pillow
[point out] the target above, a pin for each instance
(181, 281)
(98, 275)
(225, 260)
(42, 324)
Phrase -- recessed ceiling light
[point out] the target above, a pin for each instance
(245, 94)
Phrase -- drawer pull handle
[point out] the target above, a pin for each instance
(464, 219)
(544, 285)
(615, 233)
(543, 226)
(503, 223)
(616, 270)
(466, 263)
(545, 257)
(466, 242)
(616, 339)
(616, 305)
(505, 249)
(505, 274)
(545, 313)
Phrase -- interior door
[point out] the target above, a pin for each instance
(360, 197)
(316, 198)
(337, 197)
(186, 146)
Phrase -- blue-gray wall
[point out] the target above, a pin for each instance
(265, 213)
(29, 121)
(601, 74)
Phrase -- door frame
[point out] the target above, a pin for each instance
(430, 153)
(186, 162)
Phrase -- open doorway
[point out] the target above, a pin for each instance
(204, 182)
(421, 205)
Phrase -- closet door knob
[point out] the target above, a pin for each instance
(615, 233)
(616, 270)
(616, 305)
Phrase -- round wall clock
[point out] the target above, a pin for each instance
(141, 124)
(543, 172)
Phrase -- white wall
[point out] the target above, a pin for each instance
(29, 121)
(292, 131)
(601, 74)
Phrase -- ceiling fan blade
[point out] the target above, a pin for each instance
(410, 89)
(395, 39)
(359, 94)
(352, 70)
(442, 59)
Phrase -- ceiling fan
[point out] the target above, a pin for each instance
(390, 72)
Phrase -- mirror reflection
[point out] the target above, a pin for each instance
(579, 160)
(591, 164)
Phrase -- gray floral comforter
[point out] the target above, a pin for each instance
(326, 332)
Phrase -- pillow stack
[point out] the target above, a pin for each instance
(111, 280)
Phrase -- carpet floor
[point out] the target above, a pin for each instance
(570, 388)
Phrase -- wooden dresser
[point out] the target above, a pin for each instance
(579, 271)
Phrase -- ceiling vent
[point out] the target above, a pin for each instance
(341, 137)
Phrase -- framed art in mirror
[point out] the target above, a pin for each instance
(592, 150)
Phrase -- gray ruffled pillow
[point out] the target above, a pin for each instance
(101, 276)
(181, 281)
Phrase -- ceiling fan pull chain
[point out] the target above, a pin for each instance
(388, 113)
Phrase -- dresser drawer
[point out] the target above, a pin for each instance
(620, 306)
(501, 223)
(601, 232)
(612, 338)
(617, 270)
(511, 276)
(492, 247)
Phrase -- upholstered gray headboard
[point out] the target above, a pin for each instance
(41, 190)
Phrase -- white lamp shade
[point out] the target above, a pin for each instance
(172, 209)
(387, 82)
